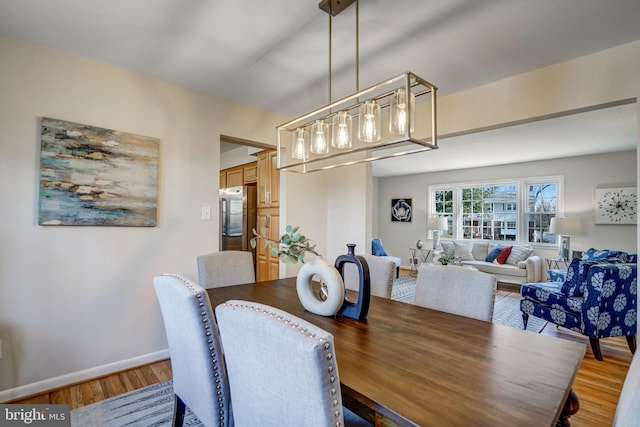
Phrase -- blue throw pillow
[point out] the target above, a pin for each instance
(596, 254)
(491, 256)
(377, 249)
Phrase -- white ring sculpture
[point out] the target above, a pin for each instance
(333, 281)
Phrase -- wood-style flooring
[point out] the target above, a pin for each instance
(598, 384)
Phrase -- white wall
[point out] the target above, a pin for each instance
(78, 301)
(581, 176)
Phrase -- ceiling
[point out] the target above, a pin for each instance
(274, 54)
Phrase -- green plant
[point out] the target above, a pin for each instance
(291, 247)
(445, 259)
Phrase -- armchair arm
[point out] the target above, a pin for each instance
(610, 300)
(536, 269)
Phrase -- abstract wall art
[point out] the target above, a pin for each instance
(401, 210)
(617, 205)
(95, 176)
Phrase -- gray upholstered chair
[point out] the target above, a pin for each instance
(458, 290)
(628, 410)
(282, 369)
(381, 272)
(225, 268)
(199, 374)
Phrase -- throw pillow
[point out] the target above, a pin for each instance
(595, 254)
(462, 251)
(503, 255)
(519, 253)
(447, 247)
(491, 256)
(377, 249)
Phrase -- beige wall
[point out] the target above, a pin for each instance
(78, 301)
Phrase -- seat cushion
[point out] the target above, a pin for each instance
(550, 294)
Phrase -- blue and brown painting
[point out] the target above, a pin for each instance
(95, 176)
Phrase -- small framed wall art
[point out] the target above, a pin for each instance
(616, 205)
(401, 210)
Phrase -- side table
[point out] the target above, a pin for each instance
(418, 256)
(554, 263)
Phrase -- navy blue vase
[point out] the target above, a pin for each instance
(356, 310)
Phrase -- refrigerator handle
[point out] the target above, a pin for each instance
(221, 220)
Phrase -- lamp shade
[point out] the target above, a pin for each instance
(565, 226)
(437, 223)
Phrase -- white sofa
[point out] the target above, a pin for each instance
(518, 269)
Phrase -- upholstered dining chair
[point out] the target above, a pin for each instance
(225, 268)
(628, 409)
(197, 363)
(456, 289)
(282, 369)
(381, 271)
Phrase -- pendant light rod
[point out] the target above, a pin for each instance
(357, 45)
(330, 54)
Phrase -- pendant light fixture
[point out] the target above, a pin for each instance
(385, 115)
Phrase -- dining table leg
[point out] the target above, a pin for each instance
(571, 406)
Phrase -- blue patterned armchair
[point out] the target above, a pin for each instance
(598, 298)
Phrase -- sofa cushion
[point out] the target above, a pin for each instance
(550, 294)
(447, 247)
(519, 253)
(498, 269)
(479, 249)
(463, 251)
(493, 254)
(503, 255)
(598, 254)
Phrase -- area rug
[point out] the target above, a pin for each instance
(506, 310)
(149, 406)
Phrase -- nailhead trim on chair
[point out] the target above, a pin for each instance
(207, 326)
(327, 346)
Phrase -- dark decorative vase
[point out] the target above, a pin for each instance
(355, 310)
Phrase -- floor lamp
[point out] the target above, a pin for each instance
(437, 225)
(564, 228)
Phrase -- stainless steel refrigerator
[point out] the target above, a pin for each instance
(238, 215)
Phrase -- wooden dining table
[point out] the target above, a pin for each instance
(412, 366)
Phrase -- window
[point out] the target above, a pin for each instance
(519, 210)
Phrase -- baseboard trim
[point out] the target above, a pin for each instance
(79, 376)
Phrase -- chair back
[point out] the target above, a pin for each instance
(456, 290)
(628, 410)
(197, 363)
(282, 369)
(225, 268)
(381, 273)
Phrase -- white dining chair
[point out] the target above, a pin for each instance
(628, 409)
(282, 369)
(457, 290)
(225, 268)
(197, 363)
(381, 273)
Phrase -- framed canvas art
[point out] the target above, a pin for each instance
(95, 176)
(616, 205)
(401, 210)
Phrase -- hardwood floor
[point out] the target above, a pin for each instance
(598, 384)
(85, 393)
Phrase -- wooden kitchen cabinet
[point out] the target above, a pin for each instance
(267, 264)
(268, 180)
